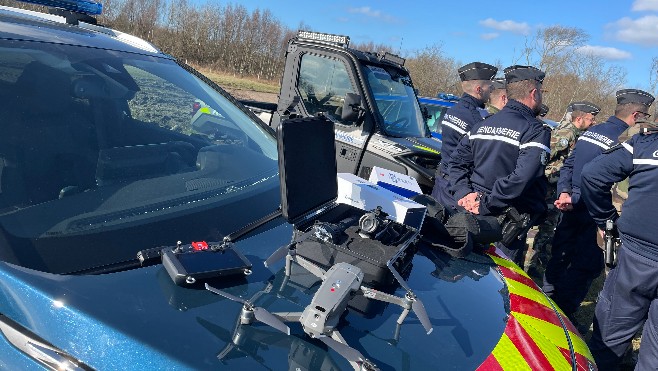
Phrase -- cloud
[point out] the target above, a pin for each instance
(643, 30)
(604, 52)
(509, 26)
(489, 36)
(372, 13)
(641, 5)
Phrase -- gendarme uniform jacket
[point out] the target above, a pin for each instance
(590, 144)
(503, 158)
(457, 121)
(638, 160)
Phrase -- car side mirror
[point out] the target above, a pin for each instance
(351, 108)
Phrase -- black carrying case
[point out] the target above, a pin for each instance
(309, 189)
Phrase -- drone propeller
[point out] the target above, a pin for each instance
(260, 314)
(349, 353)
(278, 254)
(418, 308)
(416, 305)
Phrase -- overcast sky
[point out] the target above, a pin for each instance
(624, 32)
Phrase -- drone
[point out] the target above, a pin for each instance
(320, 318)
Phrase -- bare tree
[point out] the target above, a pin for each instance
(433, 71)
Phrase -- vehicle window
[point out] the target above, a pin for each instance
(396, 102)
(93, 141)
(323, 84)
(435, 116)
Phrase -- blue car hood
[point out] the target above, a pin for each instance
(139, 318)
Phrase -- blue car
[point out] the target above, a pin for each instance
(436, 108)
(104, 169)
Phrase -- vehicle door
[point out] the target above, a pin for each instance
(322, 82)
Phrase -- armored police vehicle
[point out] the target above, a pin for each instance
(110, 191)
(370, 98)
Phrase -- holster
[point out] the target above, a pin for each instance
(515, 225)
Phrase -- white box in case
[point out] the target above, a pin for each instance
(362, 194)
(401, 184)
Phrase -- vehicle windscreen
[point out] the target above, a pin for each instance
(396, 102)
(105, 153)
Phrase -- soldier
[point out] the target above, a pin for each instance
(498, 98)
(458, 120)
(630, 293)
(563, 138)
(500, 162)
(576, 257)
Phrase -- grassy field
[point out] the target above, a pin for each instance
(235, 82)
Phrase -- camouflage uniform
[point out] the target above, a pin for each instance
(620, 190)
(563, 140)
(491, 109)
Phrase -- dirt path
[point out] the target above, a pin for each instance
(253, 95)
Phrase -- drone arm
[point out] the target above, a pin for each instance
(312, 268)
(381, 296)
(288, 316)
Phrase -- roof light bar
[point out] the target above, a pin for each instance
(392, 58)
(88, 7)
(324, 37)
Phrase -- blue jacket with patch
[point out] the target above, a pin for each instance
(590, 144)
(504, 158)
(637, 159)
(457, 121)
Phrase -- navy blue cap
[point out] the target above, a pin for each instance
(477, 71)
(584, 106)
(499, 83)
(519, 73)
(543, 110)
(634, 96)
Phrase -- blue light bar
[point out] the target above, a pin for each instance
(88, 7)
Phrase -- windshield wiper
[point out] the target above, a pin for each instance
(152, 256)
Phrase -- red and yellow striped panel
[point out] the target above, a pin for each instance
(534, 338)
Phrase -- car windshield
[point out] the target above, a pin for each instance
(105, 153)
(396, 102)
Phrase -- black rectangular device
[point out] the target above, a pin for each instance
(307, 165)
(186, 265)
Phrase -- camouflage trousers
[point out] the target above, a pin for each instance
(541, 245)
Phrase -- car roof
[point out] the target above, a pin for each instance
(436, 101)
(26, 25)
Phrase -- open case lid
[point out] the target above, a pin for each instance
(307, 165)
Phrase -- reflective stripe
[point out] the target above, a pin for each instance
(527, 292)
(534, 328)
(535, 144)
(544, 335)
(453, 127)
(496, 137)
(628, 147)
(508, 356)
(644, 161)
(602, 145)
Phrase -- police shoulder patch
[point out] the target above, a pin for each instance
(564, 142)
(543, 158)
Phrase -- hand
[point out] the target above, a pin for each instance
(602, 234)
(470, 202)
(563, 203)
